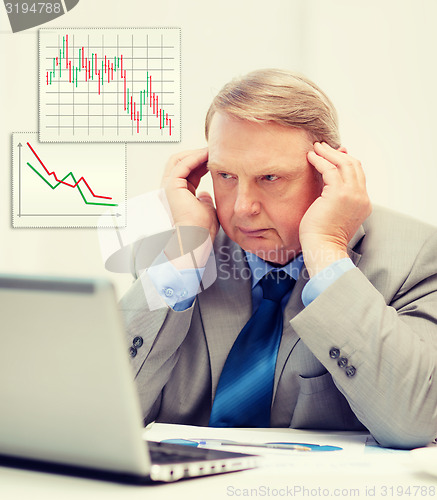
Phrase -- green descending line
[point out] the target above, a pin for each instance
(78, 187)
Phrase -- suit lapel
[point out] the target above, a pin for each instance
(226, 306)
(295, 306)
(289, 336)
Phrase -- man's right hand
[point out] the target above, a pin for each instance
(180, 181)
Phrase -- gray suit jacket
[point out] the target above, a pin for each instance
(380, 317)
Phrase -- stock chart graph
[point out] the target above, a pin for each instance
(109, 85)
(67, 185)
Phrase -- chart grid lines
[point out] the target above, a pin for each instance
(109, 85)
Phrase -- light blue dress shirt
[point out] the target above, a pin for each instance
(259, 268)
(179, 288)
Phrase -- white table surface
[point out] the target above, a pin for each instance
(359, 471)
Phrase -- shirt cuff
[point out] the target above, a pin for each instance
(326, 277)
(178, 288)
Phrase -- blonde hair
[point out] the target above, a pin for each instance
(279, 96)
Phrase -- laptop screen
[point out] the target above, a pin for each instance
(66, 384)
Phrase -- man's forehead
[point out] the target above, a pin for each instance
(258, 161)
(223, 124)
(235, 142)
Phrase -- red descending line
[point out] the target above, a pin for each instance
(66, 183)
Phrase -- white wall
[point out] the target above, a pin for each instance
(374, 59)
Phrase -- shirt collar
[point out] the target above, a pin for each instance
(259, 267)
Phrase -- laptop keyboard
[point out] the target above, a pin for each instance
(169, 453)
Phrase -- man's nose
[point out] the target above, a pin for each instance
(246, 202)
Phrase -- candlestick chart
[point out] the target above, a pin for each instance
(67, 185)
(109, 85)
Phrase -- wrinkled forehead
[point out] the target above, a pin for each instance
(240, 143)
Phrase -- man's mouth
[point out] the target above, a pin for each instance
(247, 231)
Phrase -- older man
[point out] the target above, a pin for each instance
(323, 314)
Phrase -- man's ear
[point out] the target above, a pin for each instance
(342, 149)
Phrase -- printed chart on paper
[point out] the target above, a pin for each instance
(109, 85)
(67, 185)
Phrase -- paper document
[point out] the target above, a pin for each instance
(349, 443)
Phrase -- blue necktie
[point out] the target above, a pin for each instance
(245, 389)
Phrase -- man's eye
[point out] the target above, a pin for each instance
(224, 175)
(270, 177)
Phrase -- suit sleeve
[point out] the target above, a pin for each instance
(382, 352)
(154, 335)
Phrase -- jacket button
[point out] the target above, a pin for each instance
(334, 353)
(137, 342)
(342, 362)
(350, 371)
(132, 351)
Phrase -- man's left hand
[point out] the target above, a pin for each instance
(335, 216)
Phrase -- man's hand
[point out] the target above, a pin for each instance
(181, 179)
(180, 182)
(331, 221)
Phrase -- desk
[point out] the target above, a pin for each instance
(359, 471)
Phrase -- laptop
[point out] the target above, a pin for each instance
(68, 397)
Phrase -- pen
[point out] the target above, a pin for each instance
(275, 446)
(220, 442)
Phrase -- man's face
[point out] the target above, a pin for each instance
(263, 184)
